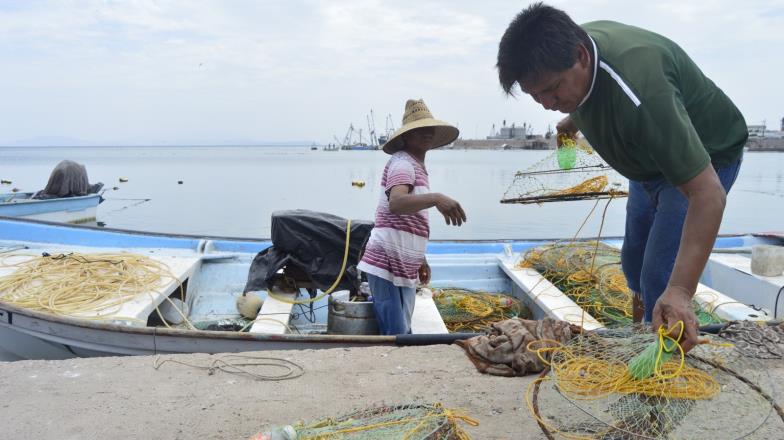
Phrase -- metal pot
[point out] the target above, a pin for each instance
(351, 317)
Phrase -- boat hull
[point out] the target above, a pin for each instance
(66, 210)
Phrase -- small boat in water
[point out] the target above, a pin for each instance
(79, 209)
(67, 198)
(212, 272)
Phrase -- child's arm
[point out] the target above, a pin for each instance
(402, 202)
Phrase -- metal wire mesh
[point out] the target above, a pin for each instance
(466, 310)
(573, 172)
(415, 422)
(590, 274)
(719, 393)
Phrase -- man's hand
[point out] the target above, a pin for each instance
(452, 211)
(672, 306)
(424, 273)
(565, 127)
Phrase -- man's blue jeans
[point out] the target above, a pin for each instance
(655, 213)
(394, 305)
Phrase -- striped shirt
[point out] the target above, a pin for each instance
(396, 248)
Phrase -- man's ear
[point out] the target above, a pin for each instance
(583, 56)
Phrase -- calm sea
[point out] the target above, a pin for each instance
(231, 191)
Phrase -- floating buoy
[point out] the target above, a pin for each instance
(15, 190)
(123, 179)
(116, 188)
(179, 182)
(358, 183)
(249, 304)
(5, 182)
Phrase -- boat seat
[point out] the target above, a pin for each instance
(274, 315)
(135, 311)
(548, 297)
(426, 318)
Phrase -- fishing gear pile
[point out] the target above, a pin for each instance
(629, 383)
(84, 286)
(413, 422)
(573, 172)
(473, 311)
(590, 274)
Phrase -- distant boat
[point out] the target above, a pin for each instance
(80, 209)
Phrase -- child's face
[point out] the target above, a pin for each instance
(419, 139)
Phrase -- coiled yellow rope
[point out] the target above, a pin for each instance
(84, 286)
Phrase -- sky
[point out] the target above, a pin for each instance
(190, 72)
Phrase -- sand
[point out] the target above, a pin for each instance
(125, 397)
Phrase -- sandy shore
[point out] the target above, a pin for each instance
(119, 398)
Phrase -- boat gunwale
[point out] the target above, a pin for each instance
(266, 240)
(185, 333)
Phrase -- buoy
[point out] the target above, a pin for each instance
(173, 311)
(249, 304)
(116, 188)
(15, 190)
(123, 179)
(179, 182)
(358, 183)
(5, 182)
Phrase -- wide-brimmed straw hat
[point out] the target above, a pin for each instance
(417, 115)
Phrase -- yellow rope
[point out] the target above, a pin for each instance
(84, 286)
(585, 377)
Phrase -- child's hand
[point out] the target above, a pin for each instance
(424, 273)
(452, 211)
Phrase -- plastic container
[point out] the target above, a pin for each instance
(280, 433)
(767, 260)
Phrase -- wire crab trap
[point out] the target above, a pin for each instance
(465, 310)
(414, 422)
(590, 274)
(596, 388)
(573, 172)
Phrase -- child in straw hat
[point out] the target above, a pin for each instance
(394, 257)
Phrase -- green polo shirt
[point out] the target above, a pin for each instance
(651, 111)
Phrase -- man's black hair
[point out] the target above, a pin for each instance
(540, 39)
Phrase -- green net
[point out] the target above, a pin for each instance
(567, 157)
(473, 311)
(414, 422)
(589, 273)
(572, 172)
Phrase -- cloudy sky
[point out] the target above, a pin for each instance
(150, 72)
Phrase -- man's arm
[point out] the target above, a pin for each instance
(707, 199)
(402, 202)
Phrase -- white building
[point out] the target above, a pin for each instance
(756, 130)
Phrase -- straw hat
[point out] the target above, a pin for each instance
(417, 115)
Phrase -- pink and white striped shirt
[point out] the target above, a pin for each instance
(396, 248)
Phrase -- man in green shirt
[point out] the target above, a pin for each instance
(650, 112)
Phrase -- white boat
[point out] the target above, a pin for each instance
(80, 209)
(213, 272)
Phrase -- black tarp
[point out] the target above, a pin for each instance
(68, 179)
(311, 245)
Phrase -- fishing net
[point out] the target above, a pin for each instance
(756, 340)
(473, 311)
(414, 422)
(590, 274)
(573, 172)
(631, 384)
